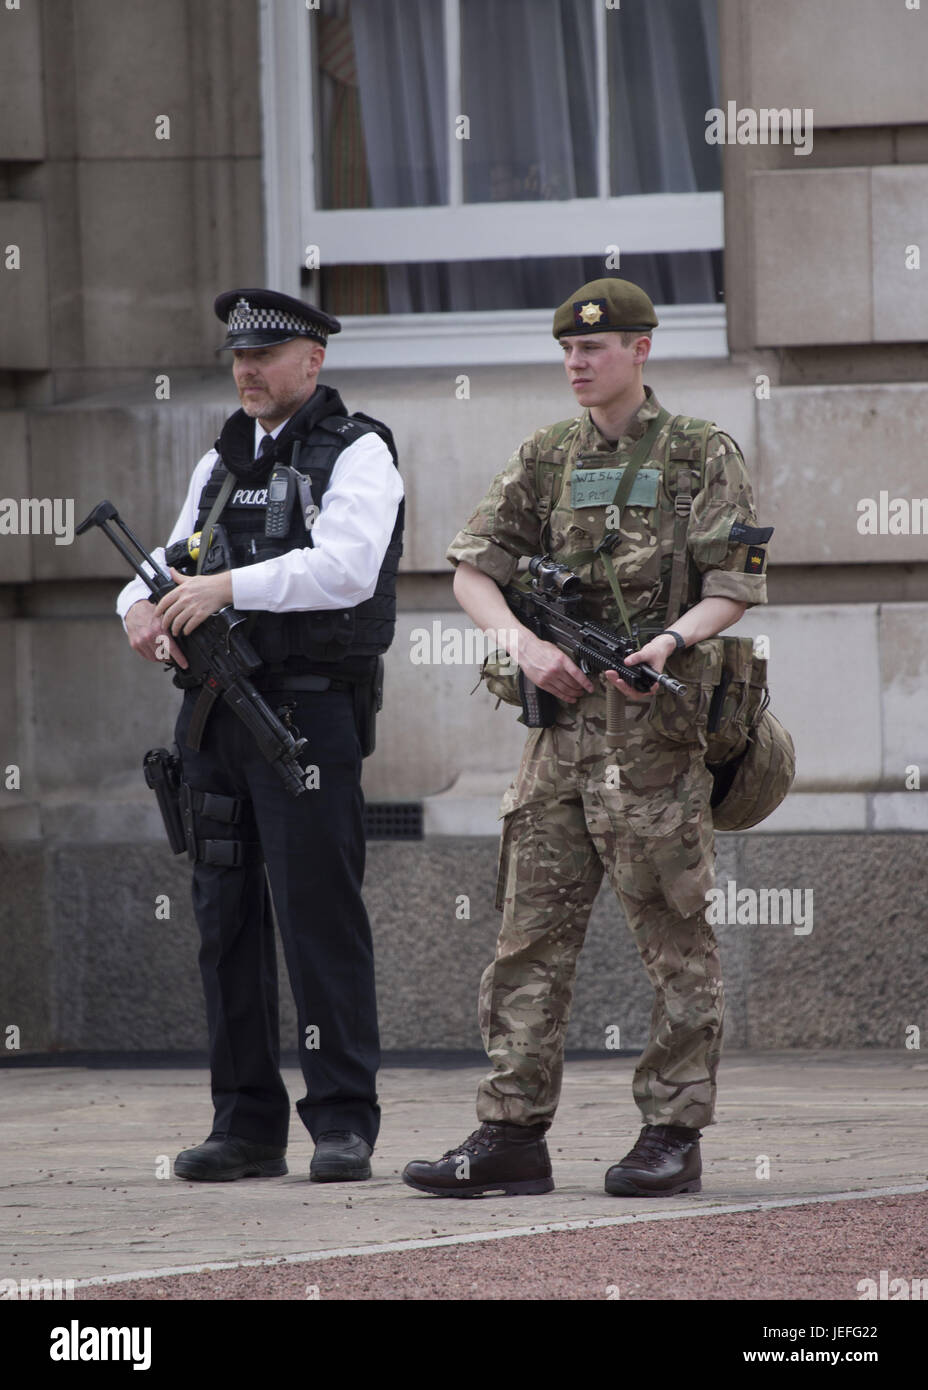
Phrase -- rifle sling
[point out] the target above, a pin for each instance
(222, 497)
(201, 712)
(207, 697)
(682, 505)
(639, 454)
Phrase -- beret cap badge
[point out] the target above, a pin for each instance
(590, 313)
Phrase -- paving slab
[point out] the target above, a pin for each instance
(82, 1149)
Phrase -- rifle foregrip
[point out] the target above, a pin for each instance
(614, 704)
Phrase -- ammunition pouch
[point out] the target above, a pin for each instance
(501, 675)
(228, 853)
(726, 693)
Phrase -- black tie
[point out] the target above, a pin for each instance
(267, 444)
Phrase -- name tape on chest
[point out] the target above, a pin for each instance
(597, 487)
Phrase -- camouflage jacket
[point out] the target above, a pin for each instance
(516, 517)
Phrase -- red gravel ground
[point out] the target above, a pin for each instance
(816, 1252)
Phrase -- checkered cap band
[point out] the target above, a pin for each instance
(250, 318)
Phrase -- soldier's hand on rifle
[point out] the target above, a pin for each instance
(551, 669)
(195, 598)
(148, 635)
(654, 654)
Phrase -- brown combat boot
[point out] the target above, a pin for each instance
(508, 1159)
(664, 1161)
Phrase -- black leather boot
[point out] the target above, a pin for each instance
(340, 1156)
(508, 1159)
(664, 1161)
(223, 1157)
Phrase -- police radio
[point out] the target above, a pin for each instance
(281, 491)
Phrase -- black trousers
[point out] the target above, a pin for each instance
(313, 846)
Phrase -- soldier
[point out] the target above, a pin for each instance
(686, 541)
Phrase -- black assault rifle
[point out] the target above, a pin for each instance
(220, 655)
(552, 609)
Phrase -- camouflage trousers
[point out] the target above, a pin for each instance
(640, 814)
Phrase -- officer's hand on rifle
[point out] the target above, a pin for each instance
(144, 628)
(654, 654)
(550, 668)
(195, 598)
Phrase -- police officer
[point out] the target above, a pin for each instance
(682, 540)
(319, 591)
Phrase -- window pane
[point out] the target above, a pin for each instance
(528, 76)
(663, 78)
(381, 73)
(690, 277)
(528, 89)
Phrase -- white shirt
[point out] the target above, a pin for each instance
(350, 537)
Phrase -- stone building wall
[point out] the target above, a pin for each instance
(109, 387)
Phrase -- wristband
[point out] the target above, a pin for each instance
(679, 641)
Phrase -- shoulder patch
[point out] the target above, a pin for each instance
(750, 535)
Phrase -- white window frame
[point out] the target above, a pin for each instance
(653, 222)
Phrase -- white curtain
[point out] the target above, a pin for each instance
(663, 61)
(529, 89)
(399, 46)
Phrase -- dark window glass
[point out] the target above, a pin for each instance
(528, 75)
(537, 283)
(528, 88)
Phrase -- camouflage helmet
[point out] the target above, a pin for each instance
(761, 779)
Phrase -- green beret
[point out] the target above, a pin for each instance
(605, 306)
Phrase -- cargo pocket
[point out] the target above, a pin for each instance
(502, 861)
(685, 867)
(676, 837)
(521, 792)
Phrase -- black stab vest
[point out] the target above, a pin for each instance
(305, 639)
